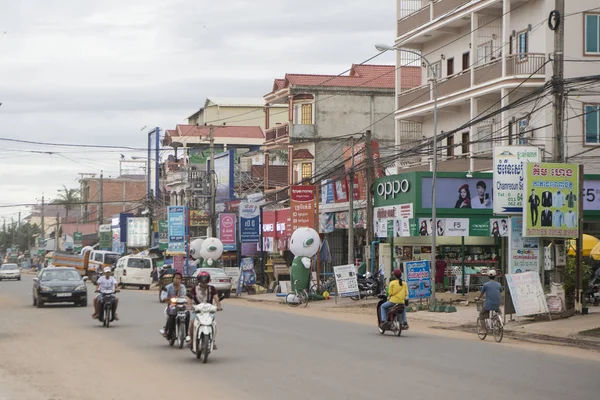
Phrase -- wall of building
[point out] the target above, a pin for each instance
(252, 116)
(128, 191)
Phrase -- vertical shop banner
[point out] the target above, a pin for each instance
(418, 275)
(527, 294)
(249, 222)
(176, 227)
(327, 195)
(346, 280)
(105, 237)
(227, 232)
(178, 263)
(340, 190)
(551, 200)
(303, 206)
(163, 235)
(247, 275)
(509, 164)
(523, 252)
(327, 222)
(77, 242)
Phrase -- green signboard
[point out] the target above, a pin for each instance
(105, 237)
(395, 190)
(77, 242)
(163, 235)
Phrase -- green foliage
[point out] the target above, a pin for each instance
(586, 270)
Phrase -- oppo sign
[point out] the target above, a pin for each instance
(392, 188)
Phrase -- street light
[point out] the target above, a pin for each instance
(383, 48)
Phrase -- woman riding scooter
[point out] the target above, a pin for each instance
(397, 294)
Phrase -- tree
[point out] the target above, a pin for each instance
(67, 198)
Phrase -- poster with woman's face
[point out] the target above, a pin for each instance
(459, 193)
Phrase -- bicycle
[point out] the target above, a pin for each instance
(493, 323)
(297, 297)
(326, 286)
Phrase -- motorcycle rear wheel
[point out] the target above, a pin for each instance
(204, 349)
(181, 335)
(397, 327)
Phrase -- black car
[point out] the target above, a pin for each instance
(59, 285)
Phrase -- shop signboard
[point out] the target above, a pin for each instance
(345, 280)
(523, 252)
(445, 227)
(327, 195)
(393, 190)
(340, 190)
(418, 275)
(247, 275)
(458, 193)
(176, 229)
(591, 195)
(227, 231)
(138, 232)
(381, 216)
(303, 206)
(509, 163)
(178, 263)
(552, 205)
(527, 293)
(105, 237)
(163, 235)
(198, 218)
(249, 222)
(341, 220)
(77, 242)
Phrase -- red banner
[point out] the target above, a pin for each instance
(227, 233)
(360, 167)
(303, 206)
(268, 224)
(340, 190)
(283, 226)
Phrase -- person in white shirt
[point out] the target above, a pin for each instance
(106, 283)
(504, 228)
(482, 200)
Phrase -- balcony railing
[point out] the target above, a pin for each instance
(277, 132)
(487, 72)
(525, 64)
(454, 83)
(441, 7)
(423, 15)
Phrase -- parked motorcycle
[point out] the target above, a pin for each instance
(592, 294)
(176, 328)
(203, 334)
(394, 317)
(108, 302)
(369, 286)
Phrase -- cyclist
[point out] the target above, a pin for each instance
(491, 290)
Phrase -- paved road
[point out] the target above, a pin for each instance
(61, 353)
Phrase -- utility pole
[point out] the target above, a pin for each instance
(101, 205)
(369, 191)
(56, 231)
(43, 227)
(351, 209)
(557, 80)
(213, 189)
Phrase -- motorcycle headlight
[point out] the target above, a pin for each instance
(45, 289)
(80, 288)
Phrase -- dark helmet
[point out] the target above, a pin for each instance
(397, 273)
(203, 277)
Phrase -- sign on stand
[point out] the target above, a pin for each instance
(527, 294)
(345, 280)
(418, 275)
(247, 275)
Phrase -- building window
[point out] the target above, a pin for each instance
(306, 171)
(484, 138)
(465, 143)
(307, 114)
(450, 146)
(437, 70)
(522, 44)
(592, 34)
(592, 124)
(484, 53)
(465, 61)
(450, 66)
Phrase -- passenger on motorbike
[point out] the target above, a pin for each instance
(105, 283)
(203, 293)
(175, 289)
(397, 294)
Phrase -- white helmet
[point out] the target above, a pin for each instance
(107, 269)
(492, 273)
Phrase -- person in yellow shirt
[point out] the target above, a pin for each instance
(397, 294)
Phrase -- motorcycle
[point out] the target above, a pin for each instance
(369, 286)
(592, 294)
(202, 339)
(176, 328)
(394, 317)
(107, 307)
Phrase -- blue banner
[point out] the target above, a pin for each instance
(418, 274)
(249, 223)
(176, 223)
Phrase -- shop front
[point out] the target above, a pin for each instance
(468, 235)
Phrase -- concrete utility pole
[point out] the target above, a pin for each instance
(56, 231)
(213, 188)
(556, 23)
(43, 227)
(351, 209)
(101, 205)
(369, 180)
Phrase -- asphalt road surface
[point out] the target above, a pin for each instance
(59, 352)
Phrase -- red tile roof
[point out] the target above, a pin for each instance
(361, 75)
(303, 154)
(221, 131)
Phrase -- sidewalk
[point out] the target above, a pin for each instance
(558, 331)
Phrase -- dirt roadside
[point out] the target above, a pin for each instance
(44, 355)
(366, 316)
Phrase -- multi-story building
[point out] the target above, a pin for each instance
(319, 108)
(238, 111)
(486, 56)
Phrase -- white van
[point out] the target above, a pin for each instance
(134, 271)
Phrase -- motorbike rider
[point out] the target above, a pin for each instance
(174, 289)
(397, 294)
(105, 283)
(203, 293)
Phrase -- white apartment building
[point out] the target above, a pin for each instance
(487, 54)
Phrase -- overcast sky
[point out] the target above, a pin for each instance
(90, 72)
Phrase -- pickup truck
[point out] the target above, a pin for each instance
(90, 264)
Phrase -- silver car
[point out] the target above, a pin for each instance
(10, 271)
(218, 279)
